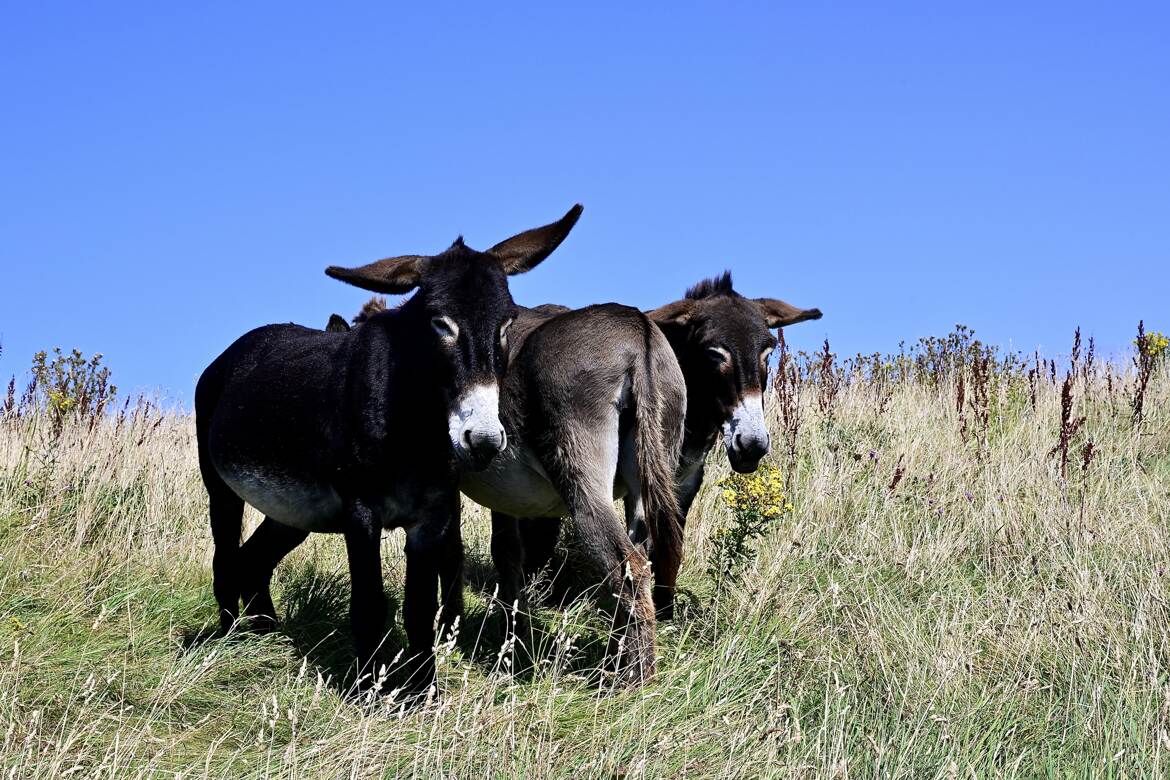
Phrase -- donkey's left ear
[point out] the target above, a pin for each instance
(777, 313)
(524, 251)
(337, 324)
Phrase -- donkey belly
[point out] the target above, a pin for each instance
(295, 501)
(516, 484)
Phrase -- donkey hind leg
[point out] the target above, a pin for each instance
(625, 574)
(259, 556)
(226, 511)
(584, 475)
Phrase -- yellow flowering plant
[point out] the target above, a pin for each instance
(1154, 344)
(755, 501)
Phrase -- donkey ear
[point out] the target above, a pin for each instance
(337, 324)
(677, 313)
(394, 275)
(524, 251)
(778, 313)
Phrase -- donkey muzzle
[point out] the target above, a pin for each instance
(745, 434)
(475, 429)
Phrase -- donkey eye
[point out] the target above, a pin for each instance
(446, 328)
(767, 353)
(719, 355)
(504, 331)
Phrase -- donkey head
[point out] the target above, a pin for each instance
(723, 342)
(464, 309)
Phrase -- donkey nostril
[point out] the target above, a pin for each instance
(739, 441)
(467, 438)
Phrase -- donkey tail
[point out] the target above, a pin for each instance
(659, 396)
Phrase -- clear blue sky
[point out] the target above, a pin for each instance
(173, 175)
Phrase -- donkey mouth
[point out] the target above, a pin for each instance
(475, 460)
(742, 464)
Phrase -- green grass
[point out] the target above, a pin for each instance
(986, 618)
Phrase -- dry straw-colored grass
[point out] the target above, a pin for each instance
(940, 602)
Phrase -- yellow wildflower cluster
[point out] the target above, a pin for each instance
(761, 492)
(61, 401)
(1155, 345)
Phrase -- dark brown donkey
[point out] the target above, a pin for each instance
(721, 342)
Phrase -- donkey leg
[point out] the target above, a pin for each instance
(226, 511)
(666, 580)
(538, 537)
(625, 574)
(636, 528)
(582, 467)
(451, 570)
(259, 556)
(419, 605)
(367, 606)
(687, 490)
(508, 554)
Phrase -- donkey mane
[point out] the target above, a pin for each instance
(709, 288)
(375, 305)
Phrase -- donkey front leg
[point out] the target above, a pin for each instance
(508, 553)
(451, 570)
(367, 605)
(539, 539)
(664, 560)
(420, 603)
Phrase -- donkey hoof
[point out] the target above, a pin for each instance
(261, 624)
(631, 668)
(635, 674)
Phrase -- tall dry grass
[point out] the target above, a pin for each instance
(941, 601)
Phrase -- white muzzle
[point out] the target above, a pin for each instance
(474, 426)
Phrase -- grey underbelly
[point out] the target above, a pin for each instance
(515, 484)
(518, 485)
(302, 504)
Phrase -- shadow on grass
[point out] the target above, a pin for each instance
(562, 612)
(563, 630)
(314, 606)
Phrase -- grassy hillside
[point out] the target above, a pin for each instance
(932, 597)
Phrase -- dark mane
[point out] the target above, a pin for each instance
(716, 285)
(375, 305)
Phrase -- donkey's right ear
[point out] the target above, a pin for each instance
(394, 275)
(677, 313)
(523, 251)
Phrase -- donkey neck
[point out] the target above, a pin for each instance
(704, 415)
(407, 387)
